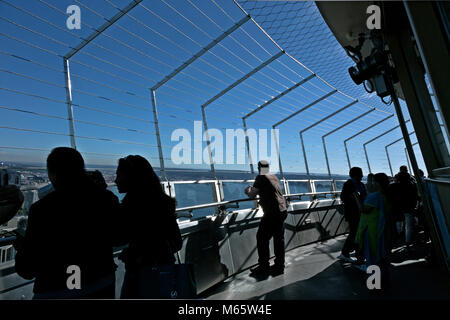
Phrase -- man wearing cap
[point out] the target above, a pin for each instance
(273, 204)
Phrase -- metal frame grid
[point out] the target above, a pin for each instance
(290, 92)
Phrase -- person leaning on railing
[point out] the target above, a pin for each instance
(271, 199)
(11, 199)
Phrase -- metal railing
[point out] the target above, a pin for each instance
(223, 205)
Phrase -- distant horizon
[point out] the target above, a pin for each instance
(43, 165)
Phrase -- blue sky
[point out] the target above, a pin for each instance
(112, 75)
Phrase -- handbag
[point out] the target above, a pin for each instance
(173, 281)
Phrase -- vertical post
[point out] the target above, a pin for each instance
(408, 143)
(304, 155)
(326, 156)
(405, 134)
(389, 161)
(208, 143)
(346, 153)
(247, 142)
(407, 160)
(158, 136)
(69, 102)
(278, 153)
(367, 159)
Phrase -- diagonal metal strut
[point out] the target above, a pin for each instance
(315, 124)
(376, 138)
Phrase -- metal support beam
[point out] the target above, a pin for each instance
(315, 124)
(367, 159)
(389, 160)
(361, 132)
(339, 128)
(412, 156)
(247, 142)
(202, 51)
(244, 118)
(296, 113)
(158, 136)
(304, 108)
(221, 93)
(278, 153)
(298, 84)
(387, 152)
(208, 143)
(248, 75)
(69, 103)
(304, 156)
(105, 26)
(326, 156)
(376, 138)
(407, 159)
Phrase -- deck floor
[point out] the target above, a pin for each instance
(314, 273)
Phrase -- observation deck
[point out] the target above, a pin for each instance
(205, 89)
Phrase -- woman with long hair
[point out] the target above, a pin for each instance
(374, 235)
(150, 229)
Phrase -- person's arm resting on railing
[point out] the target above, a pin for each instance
(252, 192)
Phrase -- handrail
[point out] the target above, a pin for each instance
(9, 240)
(438, 181)
(186, 212)
(213, 204)
(310, 193)
(221, 203)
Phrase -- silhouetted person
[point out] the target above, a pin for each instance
(374, 235)
(150, 229)
(68, 243)
(404, 170)
(11, 199)
(352, 195)
(405, 201)
(397, 215)
(267, 186)
(421, 175)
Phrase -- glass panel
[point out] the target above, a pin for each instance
(322, 186)
(339, 185)
(298, 187)
(235, 190)
(190, 194)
